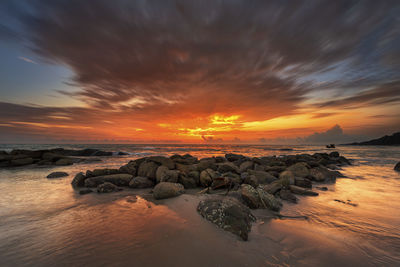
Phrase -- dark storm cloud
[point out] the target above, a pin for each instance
(207, 56)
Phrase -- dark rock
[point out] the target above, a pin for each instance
(148, 169)
(167, 190)
(268, 200)
(185, 159)
(228, 167)
(206, 164)
(247, 165)
(220, 159)
(251, 180)
(130, 168)
(228, 214)
(288, 196)
(303, 182)
(186, 168)
(322, 188)
(321, 174)
(250, 196)
(57, 174)
(397, 167)
(273, 187)
(102, 172)
(51, 156)
(85, 191)
(160, 172)
(334, 154)
(262, 176)
(287, 176)
(120, 153)
(21, 162)
(302, 191)
(195, 175)
(121, 179)
(79, 180)
(299, 169)
(187, 181)
(107, 188)
(234, 157)
(169, 163)
(141, 182)
(171, 176)
(65, 162)
(206, 177)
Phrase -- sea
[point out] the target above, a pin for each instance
(44, 222)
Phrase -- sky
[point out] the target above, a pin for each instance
(237, 71)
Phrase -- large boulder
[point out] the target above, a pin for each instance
(188, 181)
(79, 180)
(57, 175)
(228, 167)
(207, 163)
(121, 179)
(148, 169)
(169, 163)
(167, 190)
(334, 154)
(107, 188)
(250, 180)
(321, 174)
(234, 157)
(274, 187)
(250, 196)
(228, 214)
(302, 191)
(65, 161)
(207, 176)
(302, 182)
(397, 167)
(160, 172)
(171, 176)
(102, 172)
(262, 176)
(186, 168)
(288, 196)
(141, 182)
(185, 159)
(268, 200)
(299, 169)
(130, 168)
(247, 165)
(287, 176)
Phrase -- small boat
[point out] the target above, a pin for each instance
(330, 146)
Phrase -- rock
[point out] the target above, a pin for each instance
(195, 175)
(322, 188)
(334, 154)
(51, 156)
(160, 173)
(263, 177)
(79, 180)
(121, 153)
(247, 165)
(302, 191)
(57, 174)
(220, 159)
(269, 200)
(187, 181)
(303, 182)
(171, 176)
(141, 182)
(65, 162)
(273, 187)
(130, 168)
(102, 172)
(288, 196)
(206, 177)
(221, 182)
(85, 191)
(167, 162)
(121, 179)
(321, 174)
(227, 167)
(148, 169)
(107, 188)
(250, 196)
(343, 161)
(228, 214)
(275, 168)
(206, 164)
(186, 168)
(185, 159)
(21, 162)
(251, 180)
(167, 190)
(234, 157)
(287, 176)
(299, 169)
(397, 167)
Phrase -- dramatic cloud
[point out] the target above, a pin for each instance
(175, 65)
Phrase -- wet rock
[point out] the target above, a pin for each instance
(206, 177)
(21, 162)
(322, 188)
(195, 175)
(303, 182)
(250, 196)
(102, 172)
(107, 188)
(334, 154)
(169, 163)
(121, 179)
(141, 182)
(397, 167)
(233, 177)
(167, 190)
(287, 176)
(79, 180)
(148, 169)
(186, 168)
(343, 161)
(160, 173)
(263, 177)
(228, 214)
(171, 176)
(299, 169)
(268, 200)
(220, 159)
(228, 167)
(302, 191)
(185, 159)
(57, 175)
(51, 156)
(206, 164)
(247, 165)
(273, 187)
(251, 180)
(288, 196)
(65, 162)
(321, 174)
(85, 191)
(234, 157)
(187, 181)
(130, 168)
(221, 182)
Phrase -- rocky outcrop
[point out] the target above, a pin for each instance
(228, 214)
(122, 179)
(57, 175)
(167, 190)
